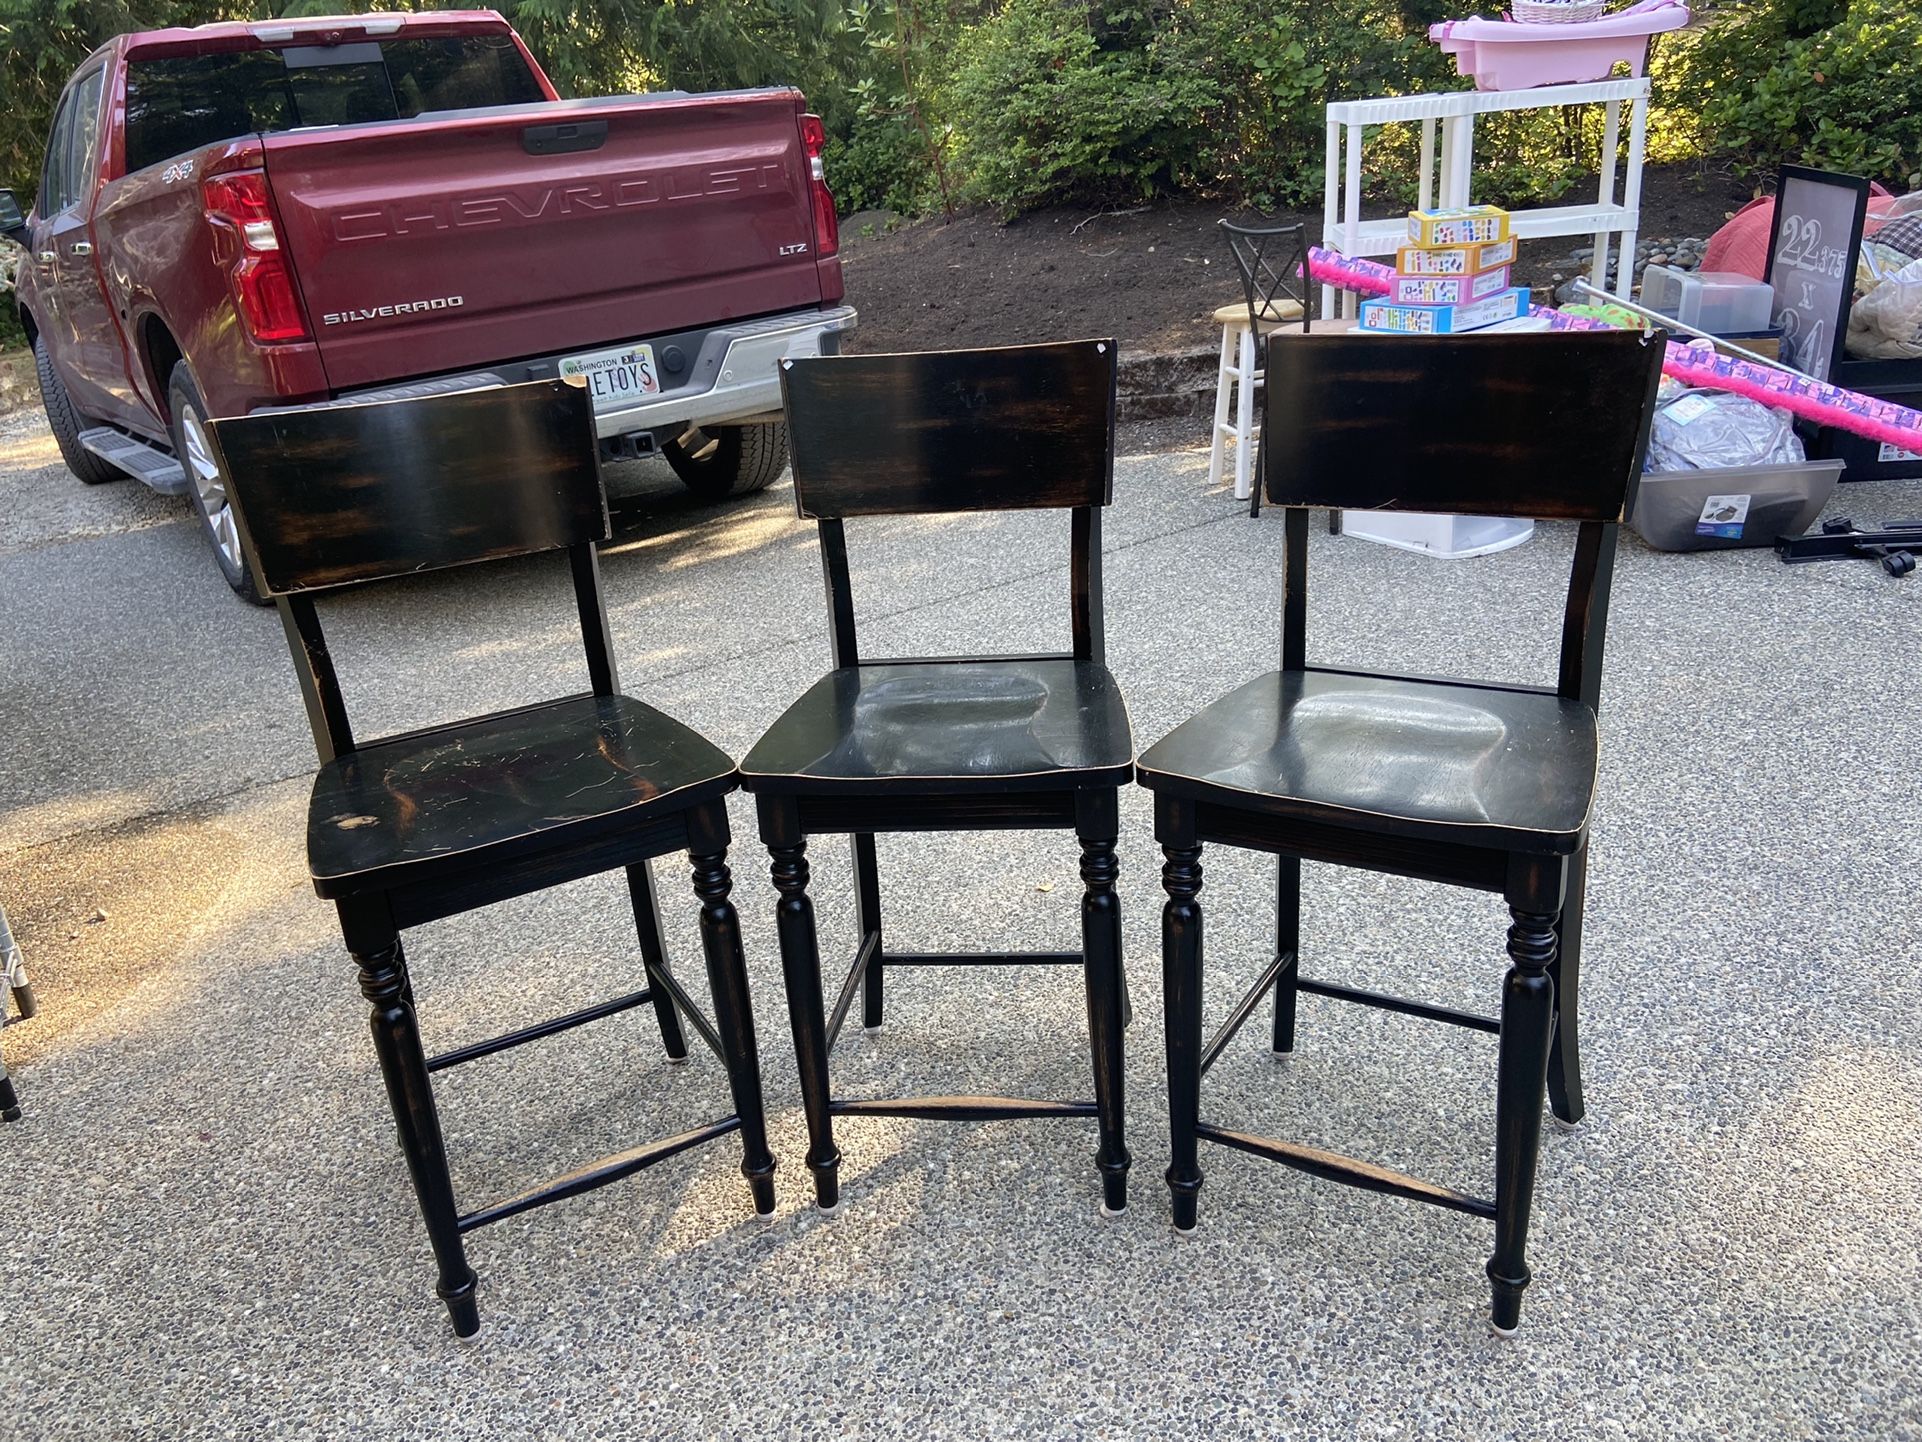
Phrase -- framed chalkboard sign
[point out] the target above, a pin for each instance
(1811, 264)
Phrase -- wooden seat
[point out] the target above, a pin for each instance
(951, 726)
(952, 743)
(1273, 315)
(405, 809)
(1476, 784)
(1437, 762)
(409, 829)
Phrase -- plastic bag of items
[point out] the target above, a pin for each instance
(1886, 322)
(1697, 430)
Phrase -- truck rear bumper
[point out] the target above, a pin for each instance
(740, 367)
(732, 378)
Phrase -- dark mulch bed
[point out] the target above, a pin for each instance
(1151, 279)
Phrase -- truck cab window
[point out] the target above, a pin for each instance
(50, 174)
(70, 150)
(82, 161)
(185, 102)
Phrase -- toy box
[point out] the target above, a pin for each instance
(1453, 259)
(1448, 289)
(1468, 225)
(1386, 315)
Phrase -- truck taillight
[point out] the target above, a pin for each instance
(827, 230)
(247, 243)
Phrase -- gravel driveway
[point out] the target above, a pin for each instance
(210, 1229)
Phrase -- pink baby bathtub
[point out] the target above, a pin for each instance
(1505, 55)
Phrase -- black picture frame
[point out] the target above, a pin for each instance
(1858, 189)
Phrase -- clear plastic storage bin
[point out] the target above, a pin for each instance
(1728, 506)
(1716, 301)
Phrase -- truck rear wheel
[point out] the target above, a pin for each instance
(187, 419)
(723, 461)
(67, 423)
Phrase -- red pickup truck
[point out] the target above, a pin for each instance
(306, 211)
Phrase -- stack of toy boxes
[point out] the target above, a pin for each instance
(1451, 277)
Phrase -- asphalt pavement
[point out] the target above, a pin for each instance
(209, 1230)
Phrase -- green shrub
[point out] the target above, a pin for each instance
(882, 164)
(1769, 84)
(1054, 101)
(1277, 63)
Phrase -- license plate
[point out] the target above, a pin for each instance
(617, 377)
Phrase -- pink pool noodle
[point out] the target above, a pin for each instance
(1818, 401)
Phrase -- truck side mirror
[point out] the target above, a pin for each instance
(13, 225)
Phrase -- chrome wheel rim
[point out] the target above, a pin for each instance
(210, 487)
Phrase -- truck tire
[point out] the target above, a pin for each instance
(728, 461)
(67, 423)
(187, 422)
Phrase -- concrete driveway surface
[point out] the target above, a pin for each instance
(209, 1228)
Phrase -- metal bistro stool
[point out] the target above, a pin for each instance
(1274, 298)
(950, 743)
(407, 829)
(1474, 784)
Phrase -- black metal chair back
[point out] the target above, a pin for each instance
(1271, 261)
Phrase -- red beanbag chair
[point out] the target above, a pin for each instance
(1742, 245)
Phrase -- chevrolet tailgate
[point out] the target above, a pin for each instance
(466, 238)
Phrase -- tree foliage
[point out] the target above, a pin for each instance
(1830, 83)
(1018, 103)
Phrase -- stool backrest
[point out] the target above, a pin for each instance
(1543, 426)
(337, 495)
(1271, 261)
(1009, 428)
(1547, 426)
(1017, 427)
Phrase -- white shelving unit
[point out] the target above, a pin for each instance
(1447, 169)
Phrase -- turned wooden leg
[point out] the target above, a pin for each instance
(647, 926)
(403, 1066)
(1098, 821)
(1288, 944)
(1181, 988)
(1564, 1051)
(801, 978)
(1528, 1013)
(867, 915)
(733, 1012)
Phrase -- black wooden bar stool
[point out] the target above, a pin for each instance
(411, 828)
(1468, 783)
(951, 743)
